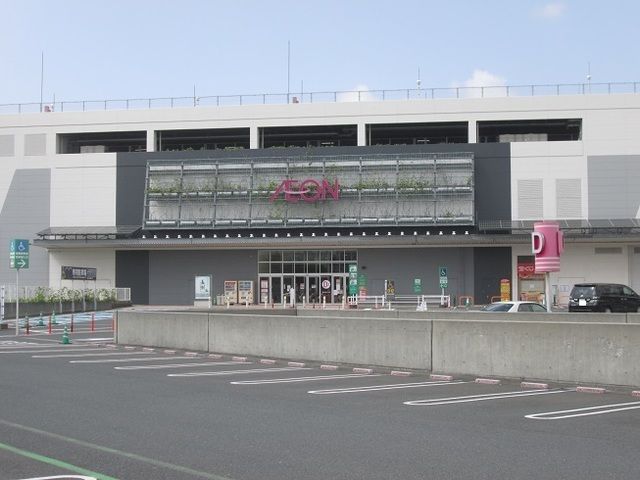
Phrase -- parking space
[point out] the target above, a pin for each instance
(191, 395)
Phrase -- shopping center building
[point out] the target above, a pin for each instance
(288, 194)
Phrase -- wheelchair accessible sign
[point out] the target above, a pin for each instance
(19, 254)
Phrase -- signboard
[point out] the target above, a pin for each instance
(19, 254)
(78, 273)
(203, 287)
(417, 285)
(353, 279)
(390, 289)
(505, 290)
(444, 281)
(308, 190)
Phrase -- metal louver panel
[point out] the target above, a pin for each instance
(568, 198)
(530, 199)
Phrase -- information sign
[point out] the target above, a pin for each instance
(444, 281)
(417, 285)
(19, 254)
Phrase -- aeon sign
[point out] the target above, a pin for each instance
(308, 190)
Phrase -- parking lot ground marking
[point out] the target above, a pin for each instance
(58, 350)
(53, 462)
(76, 355)
(37, 346)
(374, 388)
(119, 453)
(137, 359)
(585, 412)
(237, 372)
(303, 379)
(178, 365)
(484, 397)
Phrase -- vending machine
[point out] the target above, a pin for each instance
(231, 292)
(245, 292)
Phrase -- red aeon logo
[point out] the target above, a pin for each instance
(308, 190)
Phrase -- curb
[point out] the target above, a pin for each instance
(170, 351)
(329, 367)
(215, 356)
(365, 371)
(488, 381)
(191, 354)
(590, 390)
(238, 359)
(399, 373)
(127, 347)
(266, 361)
(542, 386)
(296, 364)
(147, 349)
(446, 378)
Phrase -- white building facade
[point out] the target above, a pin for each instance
(79, 185)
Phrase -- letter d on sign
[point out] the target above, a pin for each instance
(537, 242)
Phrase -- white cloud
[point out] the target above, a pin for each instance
(551, 10)
(361, 93)
(481, 84)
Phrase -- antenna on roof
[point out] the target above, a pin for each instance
(589, 75)
(418, 81)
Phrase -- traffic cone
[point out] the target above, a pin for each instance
(40, 321)
(53, 318)
(65, 336)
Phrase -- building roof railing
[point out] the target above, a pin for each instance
(558, 89)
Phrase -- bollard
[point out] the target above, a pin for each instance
(324, 302)
(49, 324)
(246, 303)
(26, 323)
(72, 323)
(93, 322)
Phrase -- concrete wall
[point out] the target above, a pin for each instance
(563, 351)
(189, 331)
(324, 339)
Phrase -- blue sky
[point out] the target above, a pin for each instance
(157, 48)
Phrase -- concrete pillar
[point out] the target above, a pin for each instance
(151, 140)
(473, 131)
(254, 137)
(362, 134)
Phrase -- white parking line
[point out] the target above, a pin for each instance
(237, 372)
(481, 398)
(85, 348)
(73, 355)
(303, 379)
(178, 365)
(374, 388)
(584, 412)
(123, 360)
(16, 348)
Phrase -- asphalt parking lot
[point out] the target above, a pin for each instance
(102, 411)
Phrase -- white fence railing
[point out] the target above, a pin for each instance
(194, 101)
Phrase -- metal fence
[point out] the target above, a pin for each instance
(193, 101)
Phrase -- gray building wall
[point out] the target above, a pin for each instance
(404, 265)
(132, 271)
(491, 264)
(25, 211)
(613, 186)
(172, 272)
